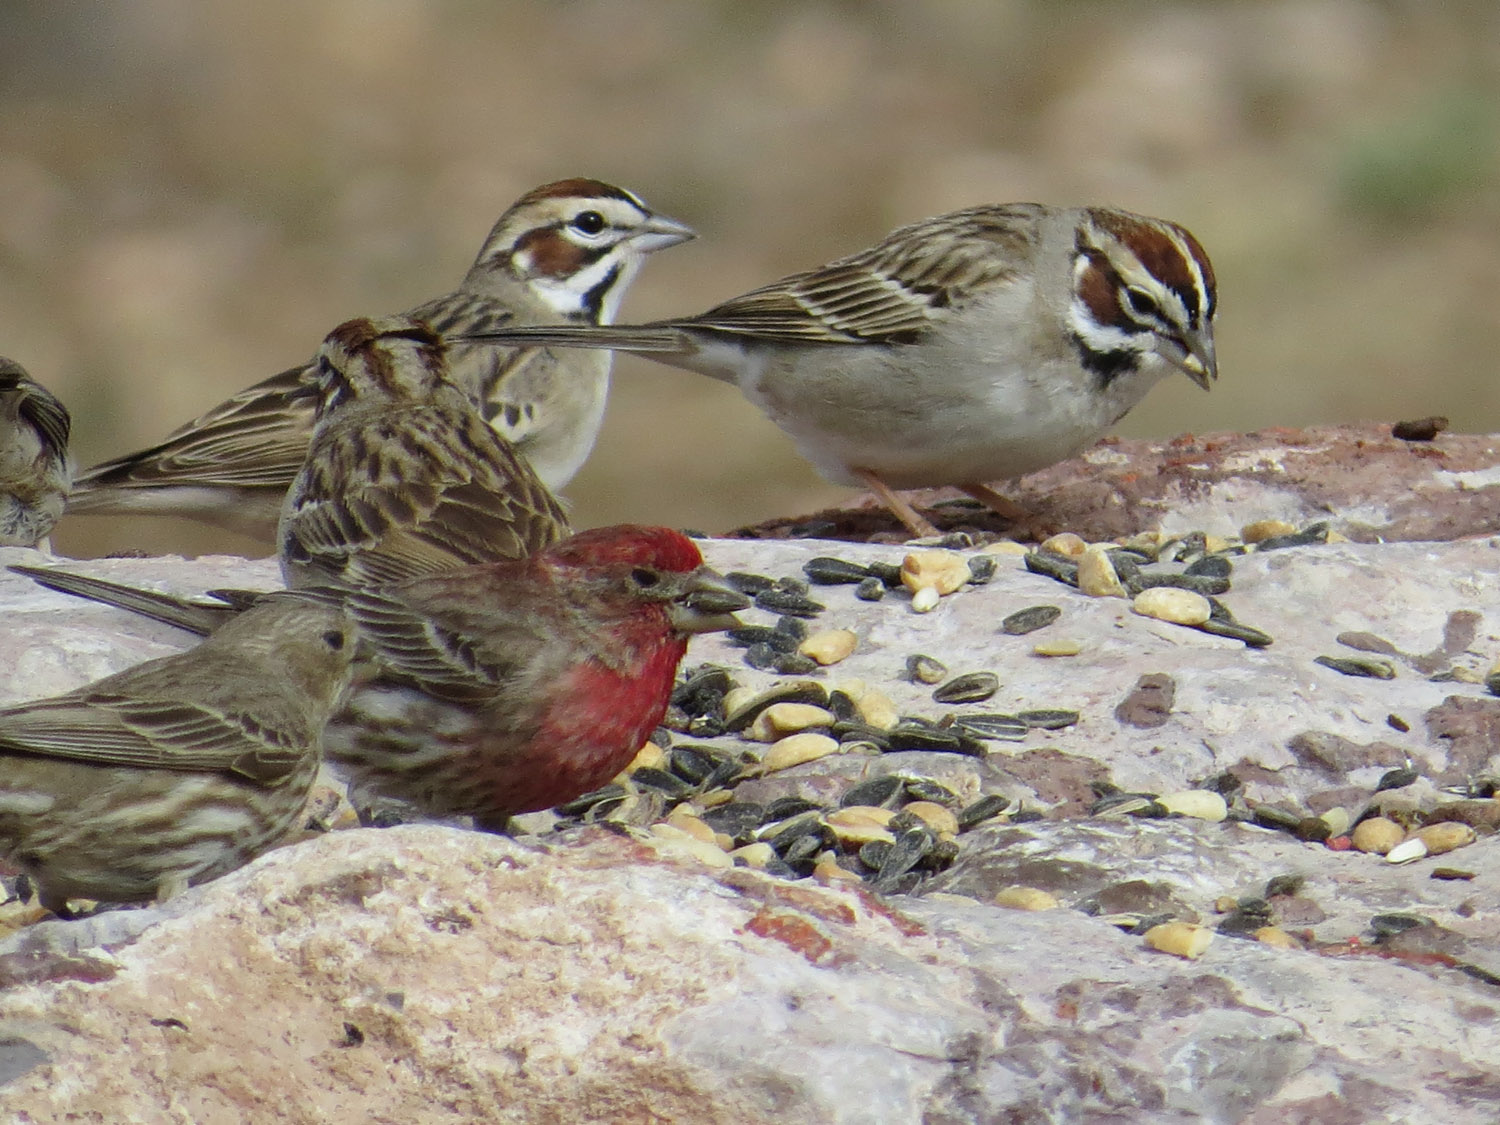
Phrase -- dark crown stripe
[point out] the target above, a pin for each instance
(1159, 254)
(579, 187)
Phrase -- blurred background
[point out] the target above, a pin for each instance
(192, 195)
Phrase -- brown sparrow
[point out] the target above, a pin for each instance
(34, 463)
(180, 769)
(972, 347)
(564, 253)
(403, 477)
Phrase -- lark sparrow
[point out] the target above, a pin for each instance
(968, 348)
(34, 463)
(403, 477)
(563, 253)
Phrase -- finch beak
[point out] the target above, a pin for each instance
(659, 232)
(707, 604)
(1194, 356)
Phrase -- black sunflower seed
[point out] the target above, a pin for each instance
(784, 807)
(796, 828)
(1396, 779)
(842, 706)
(1281, 885)
(668, 783)
(1269, 816)
(693, 764)
(1052, 566)
(737, 819)
(1313, 533)
(827, 571)
(922, 738)
(803, 691)
(702, 693)
(981, 569)
(991, 804)
(880, 792)
(888, 573)
(1210, 566)
(581, 804)
(971, 687)
(1358, 666)
(784, 601)
(925, 789)
(1031, 619)
(856, 731)
(750, 584)
(705, 726)
(793, 627)
(1389, 925)
(1248, 635)
(1050, 718)
(870, 590)
(1199, 584)
(909, 849)
(747, 635)
(994, 728)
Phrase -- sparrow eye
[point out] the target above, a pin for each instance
(1142, 303)
(334, 640)
(643, 578)
(588, 222)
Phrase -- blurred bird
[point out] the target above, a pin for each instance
(178, 770)
(34, 463)
(967, 348)
(506, 687)
(403, 477)
(564, 253)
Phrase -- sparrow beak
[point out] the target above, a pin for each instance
(1194, 355)
(659, 232)
(707, 604)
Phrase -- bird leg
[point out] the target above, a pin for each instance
(917, 524)
(1000, 505)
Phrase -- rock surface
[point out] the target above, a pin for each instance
(1377, 485)
(428, 973)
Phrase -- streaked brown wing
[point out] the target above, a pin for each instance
(105, 729)
(437, 489)
(889, 292)
(256, 439)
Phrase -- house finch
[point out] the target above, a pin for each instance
(178, 770)
(564, 253)
(505, 687)
(34, 464)
(403, 476)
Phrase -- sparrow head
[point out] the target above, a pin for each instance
(24, 400)
(1143, 290)
(392, 358)
(634, 567)
(578, 243)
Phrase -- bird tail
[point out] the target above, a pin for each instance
(644, 338)
(197, 617)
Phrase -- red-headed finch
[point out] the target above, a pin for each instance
(506, 687)
(34, 465)
(180, 769)
(404, 476)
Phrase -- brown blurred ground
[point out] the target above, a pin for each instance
(191, 195)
